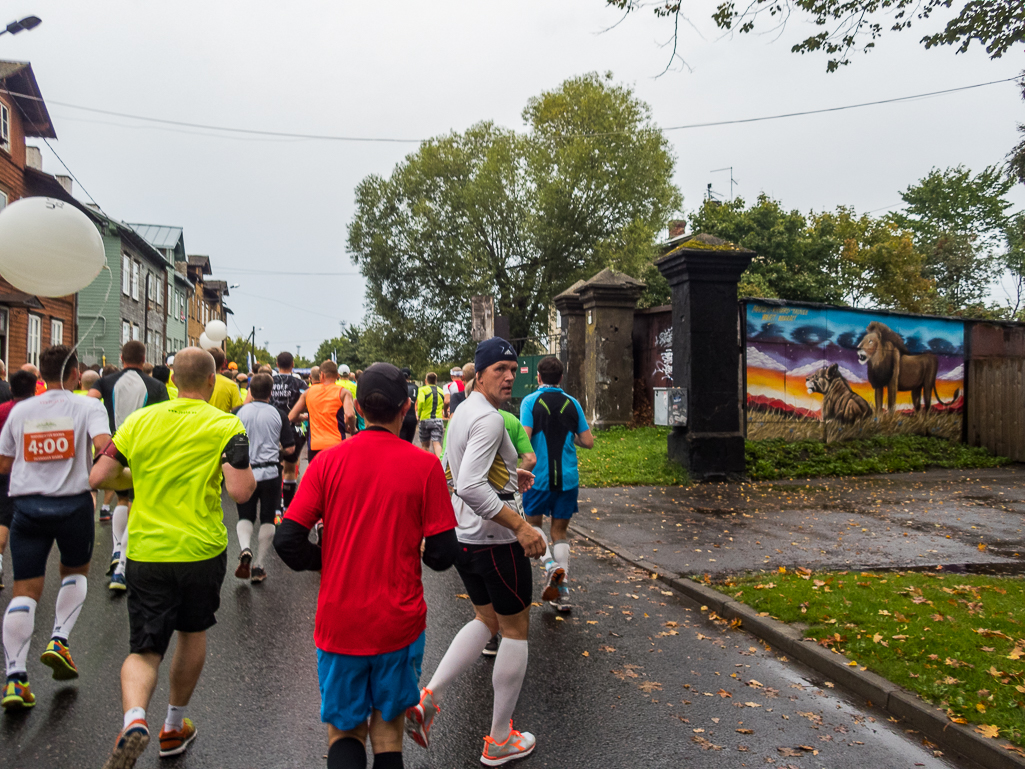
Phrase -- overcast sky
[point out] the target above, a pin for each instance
(412, 70)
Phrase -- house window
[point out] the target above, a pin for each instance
(56, 331)
(170, 299)
(158, 289)
(35, 333)
(135, 281)
(126, 332)
(3, 200)
(5, 127)
(126, 275)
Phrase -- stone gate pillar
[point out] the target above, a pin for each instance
(703, 272)
(609, 300)
(571, 320)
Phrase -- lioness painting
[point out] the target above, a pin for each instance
(893, 368)
(839, 401)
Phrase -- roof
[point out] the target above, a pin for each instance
(203, 262)
(18, 80)
(162, 236)
(609, 277)
(217, 285)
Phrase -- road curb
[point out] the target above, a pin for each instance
(901, 703)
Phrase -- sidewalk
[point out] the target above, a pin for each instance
(970, 519)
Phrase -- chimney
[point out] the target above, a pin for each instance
(34, 158)
(676, 227)
(65, 182)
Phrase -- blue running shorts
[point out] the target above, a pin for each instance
(557, 504)
(351, 686)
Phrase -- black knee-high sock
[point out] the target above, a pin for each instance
(348, 753)
(388, 760)
(288, 492)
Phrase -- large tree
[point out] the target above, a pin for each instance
(875, 263)
(849, 26)
(959, 221)
(346, 348)
(790, 262)
(517, 216)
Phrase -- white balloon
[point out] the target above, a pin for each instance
(217, 330)
(207, 343)
(49, 247)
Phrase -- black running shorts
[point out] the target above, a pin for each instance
(6, 503)
(40, 521)
(268, 495)
(499, 575)
(408, 430)
(165, 597)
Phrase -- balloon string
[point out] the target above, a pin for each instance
(110, 285)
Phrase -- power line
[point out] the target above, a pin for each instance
(392, 140)
(837, 109)
(335, 318)
(253, 272)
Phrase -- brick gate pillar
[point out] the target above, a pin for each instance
(703, 272)
(609, 300)
(571, 326)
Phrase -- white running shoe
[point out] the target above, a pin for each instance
(420, 718)
(517, 745)
(555, 575)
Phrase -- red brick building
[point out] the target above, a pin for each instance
(28, 324)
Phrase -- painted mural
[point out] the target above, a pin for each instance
(835, 374)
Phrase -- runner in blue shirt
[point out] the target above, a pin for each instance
(556, 425)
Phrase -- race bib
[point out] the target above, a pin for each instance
(47, 440)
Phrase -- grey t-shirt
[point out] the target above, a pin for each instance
(50, 437)
(480, 463)
(267, 426)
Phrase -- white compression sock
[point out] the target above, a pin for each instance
(119, 526)
(264, 540)
(19, 622)
(69, 603)
(134, 714)
(123, 560)
(548, 551)
(244, 530)
(561, 550)
(507, 678)
(464, 650)
(175, 716)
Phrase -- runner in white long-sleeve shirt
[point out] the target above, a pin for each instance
(495, 545)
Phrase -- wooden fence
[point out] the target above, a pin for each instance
(996, 388)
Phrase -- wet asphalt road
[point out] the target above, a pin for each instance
(952, 518)
(635, 677)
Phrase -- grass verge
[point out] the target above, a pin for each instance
(957, 640)
(778, 458)
(629, 457)
(637, 457)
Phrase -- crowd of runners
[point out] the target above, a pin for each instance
(79, 445)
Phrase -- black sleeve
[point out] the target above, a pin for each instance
(292, 541)
(5, 392)
(157, 391)
(439, 550)
(236, 452)
(287, 436)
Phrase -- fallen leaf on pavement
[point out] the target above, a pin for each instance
(988, 730)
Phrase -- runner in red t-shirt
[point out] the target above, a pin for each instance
(370, 631)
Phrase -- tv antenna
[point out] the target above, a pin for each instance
(732, 180)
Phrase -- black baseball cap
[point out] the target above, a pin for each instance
(382, 378)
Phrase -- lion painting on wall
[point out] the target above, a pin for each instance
(839, 402)
(892, 367)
